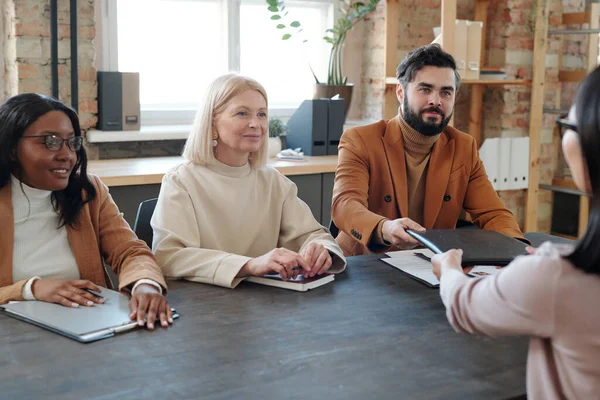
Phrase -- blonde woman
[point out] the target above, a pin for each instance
(224, 214)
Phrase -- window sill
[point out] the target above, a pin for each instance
(165, 132)
(158, 132)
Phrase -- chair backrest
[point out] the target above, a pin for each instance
(142, 227)
(333, 229)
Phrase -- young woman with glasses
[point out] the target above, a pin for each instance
(59, 224)
(552, 295)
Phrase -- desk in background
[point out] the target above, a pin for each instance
(374, 333)
(134, 180)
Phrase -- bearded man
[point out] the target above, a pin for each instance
(413, 171)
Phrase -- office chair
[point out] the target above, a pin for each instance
(142, 227)
(333, 229)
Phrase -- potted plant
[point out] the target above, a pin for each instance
(277, 136)
(352, 12)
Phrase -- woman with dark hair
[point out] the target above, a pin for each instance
(552, 294)
(59, 224)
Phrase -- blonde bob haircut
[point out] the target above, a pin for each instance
(198, 147)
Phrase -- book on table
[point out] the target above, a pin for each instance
(479, 246)
(84, 324)
(299, 284)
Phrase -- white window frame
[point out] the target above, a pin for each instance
(107, 55)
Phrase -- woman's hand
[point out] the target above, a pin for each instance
(450, 259)
(280, 261)
(318, 259)
(530, 250)
(69, 293)
(146, 303)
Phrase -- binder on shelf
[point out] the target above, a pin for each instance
(460, 51)
(488, 153)
(474, 33)
(519, 163)
(504, 163)
(335, 125)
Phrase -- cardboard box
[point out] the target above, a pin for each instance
(474, 32)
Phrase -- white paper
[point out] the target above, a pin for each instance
(411, 264)
(404, 253)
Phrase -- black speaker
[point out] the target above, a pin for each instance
(118, 101)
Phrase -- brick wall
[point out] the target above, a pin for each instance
(26, 52)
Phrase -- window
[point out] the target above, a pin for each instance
(179, 46)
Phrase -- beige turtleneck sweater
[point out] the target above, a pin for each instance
(417, 150)
(211, 220)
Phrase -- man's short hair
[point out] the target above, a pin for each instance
(429, 55)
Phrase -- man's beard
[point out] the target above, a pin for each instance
(415, 120)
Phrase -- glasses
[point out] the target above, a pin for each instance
(55, 143)
(564, 124)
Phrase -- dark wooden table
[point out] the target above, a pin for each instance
(374, 333)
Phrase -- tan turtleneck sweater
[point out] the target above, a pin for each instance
(417, 150)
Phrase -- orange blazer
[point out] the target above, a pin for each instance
(370, 185)
(100, 234)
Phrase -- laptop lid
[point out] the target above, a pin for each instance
(81, 323)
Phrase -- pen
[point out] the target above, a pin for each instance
(93, 292)
(422, 256)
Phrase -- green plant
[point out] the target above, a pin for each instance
(351, 12)
(276, 127)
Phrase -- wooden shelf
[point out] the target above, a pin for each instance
(564, 235)
(576, 75)
(392, 80)
(566, 183)
(563, 185)
(492, 69)
(497, 82)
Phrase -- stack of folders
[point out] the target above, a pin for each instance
(84, 324)
(468, 54)
(506, 162)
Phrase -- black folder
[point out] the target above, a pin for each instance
(480, 247)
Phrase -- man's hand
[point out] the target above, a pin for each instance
(394, 232)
